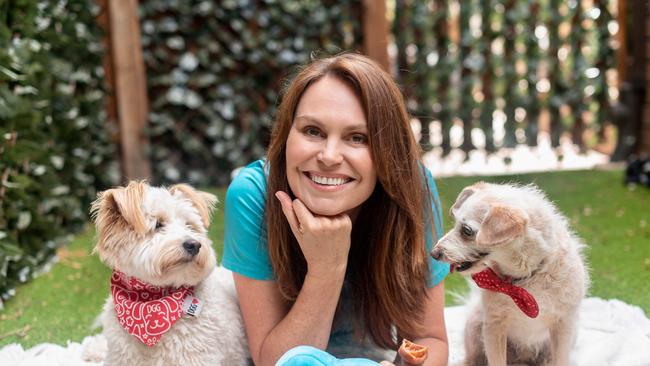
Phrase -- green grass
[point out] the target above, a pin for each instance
(613, 220)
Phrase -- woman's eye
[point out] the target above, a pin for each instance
(159, 224)
(359, 139)
(467, 231)
(311, 131)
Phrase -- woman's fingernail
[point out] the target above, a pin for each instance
(277, 195)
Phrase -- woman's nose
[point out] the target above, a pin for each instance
(330, 154)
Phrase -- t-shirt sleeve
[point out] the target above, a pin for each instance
(245, 247)
(438, 270)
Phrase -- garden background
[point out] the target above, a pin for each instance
(93, 93)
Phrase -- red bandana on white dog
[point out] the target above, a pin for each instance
(489, 280)
(146, 311)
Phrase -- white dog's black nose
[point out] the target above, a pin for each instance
(436, 254)
(192, 247)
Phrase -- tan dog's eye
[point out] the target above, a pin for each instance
(467, 231)
(159, 224)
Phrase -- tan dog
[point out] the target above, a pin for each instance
(155, 241)
(526, 242)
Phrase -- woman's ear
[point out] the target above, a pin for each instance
(501, 224)
(204, 202)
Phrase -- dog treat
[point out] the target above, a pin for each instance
(412, 353)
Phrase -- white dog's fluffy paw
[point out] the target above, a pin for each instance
(94, 348)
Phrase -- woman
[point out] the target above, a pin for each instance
(329, 238)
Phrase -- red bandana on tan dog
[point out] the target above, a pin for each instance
(489, 280)
(146, 311)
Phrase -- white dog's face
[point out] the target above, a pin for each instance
(488, 229)
(157, 235)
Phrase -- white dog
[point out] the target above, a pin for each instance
(169, 305)
(512, 240)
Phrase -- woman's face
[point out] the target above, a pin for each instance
(329, 165)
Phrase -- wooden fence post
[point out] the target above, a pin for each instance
(375, 31)
(129, 85)
(109, 98)
(621, 37)
(643, 146)
(634, 116)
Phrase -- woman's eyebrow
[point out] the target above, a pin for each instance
(360, 127)
(316, 121)
(309, 118)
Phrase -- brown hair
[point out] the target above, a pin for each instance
(387, 265)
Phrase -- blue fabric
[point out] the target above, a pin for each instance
(438, 270)
(310, 356)
(245, 250)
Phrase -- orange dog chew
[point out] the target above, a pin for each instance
(412, 353)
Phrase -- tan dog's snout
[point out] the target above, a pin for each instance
(440, 249)
(482, 223)
(436, 253)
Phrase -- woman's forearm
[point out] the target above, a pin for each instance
(438, 351)
(435, 337)
(309, 322)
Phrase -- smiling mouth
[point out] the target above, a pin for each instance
(328, 181)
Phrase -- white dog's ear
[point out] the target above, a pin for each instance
(121, 203)
(464, 195)
(118, 208)
(501, 225)
(203, 201)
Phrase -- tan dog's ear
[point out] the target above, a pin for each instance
(114, 211)
(203, 201)
(123, 203)
(464, 195)
(500, 225)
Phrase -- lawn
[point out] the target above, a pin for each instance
(613, 220)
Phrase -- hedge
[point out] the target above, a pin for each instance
(215, 70)
(54, 146)
(515, 63)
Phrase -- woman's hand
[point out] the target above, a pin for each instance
(324, 240)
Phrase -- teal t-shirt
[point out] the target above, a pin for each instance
(245, 247)
(245, 244)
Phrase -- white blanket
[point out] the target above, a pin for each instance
(611, 333)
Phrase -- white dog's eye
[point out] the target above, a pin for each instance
(159, 224)
(467, 231)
